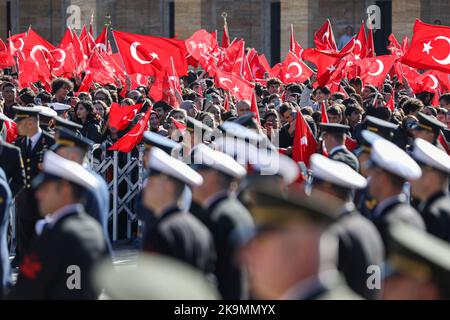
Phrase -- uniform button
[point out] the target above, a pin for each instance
(28, 160)
(28, 177)
(28, 186)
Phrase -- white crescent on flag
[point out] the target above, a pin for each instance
(299, 68)
(445, 61)
(380, 68)
(36, 48)
(223, 80)
(62, 60)
(435, 82)
(133, 51)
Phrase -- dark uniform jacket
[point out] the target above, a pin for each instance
(360, 246)
(436, 215)
(75, 239)
(182, 236)
(395, 210)
(342, 154)
(225, 216)
(11, 162)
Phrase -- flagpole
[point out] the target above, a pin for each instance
(121, 59)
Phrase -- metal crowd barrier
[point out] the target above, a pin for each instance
(116, 174)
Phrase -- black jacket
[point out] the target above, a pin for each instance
(225, 217)
(436, 215)
(11, 162)
(360, 246)
(397, 211)
(182, 236)
(76, 239)
(92, 131)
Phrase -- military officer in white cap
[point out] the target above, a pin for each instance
(359, 242)
(390, 168)
(72, 242)
(46, 116)
(61, 109)
(175, 233)
(223, 214)
(432, 188)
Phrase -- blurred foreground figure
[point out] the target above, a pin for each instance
(5, 203)
(284, 254)
(59, 263)
(156, 277)
(418, 266)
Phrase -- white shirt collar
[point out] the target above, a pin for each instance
(337, 148)
(387, 202)
(58, 214)
(214, 197)
(34, 139)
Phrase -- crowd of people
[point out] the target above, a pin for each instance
(225, 191)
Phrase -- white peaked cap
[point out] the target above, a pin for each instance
(336, 172)
(203, 155)
(393, 159)
(431, 155)
(164, 163)
(46, 111)
(59, 106)
(58, 166)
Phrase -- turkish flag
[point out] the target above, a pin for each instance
(254, 108)
(305, 143)
(294, 70)
(390, 104)
(11, 128)
(326, 62)
(374, 70)
(226, 103)
(426, 82)
(86, 83)
(6, 58)
(36, 45)
(16, 43)
(115, 66)
(225, 36)
(180, 126)
(102, 41)
(360, 49)
(121, 116)
(101, 71)
(324, 113)
(294, 46)
(324, 37)
(402, 70)
(171, 86)
(430, 47)
(64, 61)
(240, 88)
(203, 47)
(444, 142)
(394, 47)
(134, 136)
(370, 43)
(149, 55)
(350, 143)
(256, 67)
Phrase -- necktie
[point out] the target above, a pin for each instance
(29, 147)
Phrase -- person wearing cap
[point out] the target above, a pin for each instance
(432, 188)
(390, 168)
(175, 232)
(359, 242)
(364, 201)
(5, 205)
(33, 143)
(11, 162)
(223, 214)
(284, 254)
(72, 241)
(46, 116)
(429, 128)
(61, 109)
(333, 136)
(75, 147)
(418, 266)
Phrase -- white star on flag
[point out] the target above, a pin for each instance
(154, 55)
(287, 75)
(236, 89)
(304, 141)
(201, 45)
(331, 68)
(427, 47)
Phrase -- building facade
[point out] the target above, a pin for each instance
(264, 24)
